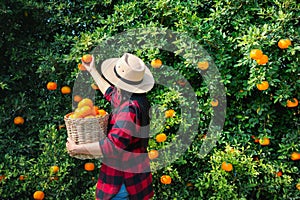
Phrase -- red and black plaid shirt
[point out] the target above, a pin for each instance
(125, 157)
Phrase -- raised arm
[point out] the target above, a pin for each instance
(100, 81)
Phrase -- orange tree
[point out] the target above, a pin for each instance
(44, 41)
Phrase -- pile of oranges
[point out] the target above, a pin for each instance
(87, 109)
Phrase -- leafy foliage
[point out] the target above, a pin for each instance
(44, 41)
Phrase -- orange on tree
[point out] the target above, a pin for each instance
(51, 86)
(38, 195)
(264, 85)
(81, 67)
(77, 98)
(19, 120)
(284, 43)
(65, 90)
(156, 63)
(165, 179)
(87, 58)
(21, 177)
(54, 169)
(295, 156)
(203, 65)
(256, 54)
(2, 177)
(226, 166)
(161, 137)
(298, 186)
(264, 141)
(292, 103)
(214, 103)
(152, 154)
(262, 60)
(256, 140)
(279, 173)
(89, 166)
(169, 113)
(85, 102)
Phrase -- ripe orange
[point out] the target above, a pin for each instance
(298, 186)
(256, 54)
(203, 65)
(226, 166)
(262, 60)
(87, 58)
(279, 173)
(65, 90)
(295, 156)
(264, 85)
(85, 102)
(156, 63)
(101, 112)
(89, 166)
(21, 177)
(170, 113)
(94, 86)
(38, 195)
(165, 179)
(264, 141)
(2, 177)
(54, 169)
(51, 86)
(77, 98)
(214, 103)
(152, 154)
(81, 67)
(19, 120)
(284, 43)
(293, 103)
(161, 137)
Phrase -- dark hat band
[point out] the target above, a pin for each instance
(126, 80)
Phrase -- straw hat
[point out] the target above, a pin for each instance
(128, 73)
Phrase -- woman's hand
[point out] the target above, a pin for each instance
(89, 66)
(71, 147)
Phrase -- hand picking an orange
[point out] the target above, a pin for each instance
(87, 58)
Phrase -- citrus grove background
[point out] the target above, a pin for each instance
(257, 154)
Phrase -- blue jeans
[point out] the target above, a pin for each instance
(122, 194)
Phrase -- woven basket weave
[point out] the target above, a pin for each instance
(86, 130)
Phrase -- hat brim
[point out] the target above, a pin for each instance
(107, 70)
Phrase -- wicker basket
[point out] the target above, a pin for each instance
(86, 130)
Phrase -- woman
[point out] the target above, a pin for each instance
(125, 170)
